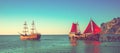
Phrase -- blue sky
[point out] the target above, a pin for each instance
(55, 16)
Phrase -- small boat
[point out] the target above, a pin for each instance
(75, 32)
(33, 36)
(92, 32)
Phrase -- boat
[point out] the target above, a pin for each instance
(33, 36)
(92, 31)
(75, 32)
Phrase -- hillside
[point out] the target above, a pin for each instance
(111, 27)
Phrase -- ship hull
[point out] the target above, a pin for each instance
(91, 37)
(74, 36)
(30, 37)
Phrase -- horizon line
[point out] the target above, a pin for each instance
(41, 34)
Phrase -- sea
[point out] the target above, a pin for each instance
(55, 44)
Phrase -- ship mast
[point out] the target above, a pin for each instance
(78, 30)
(25, 31)
(91, 25)
(33, 27)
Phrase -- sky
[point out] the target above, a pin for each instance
(54, 16)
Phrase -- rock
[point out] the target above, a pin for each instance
(111, 27)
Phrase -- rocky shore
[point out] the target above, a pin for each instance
(111, 27)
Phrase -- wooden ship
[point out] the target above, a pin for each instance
(33, 36)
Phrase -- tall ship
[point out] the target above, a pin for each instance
(32, 36)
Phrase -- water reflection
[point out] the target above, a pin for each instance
(92, 47)
(30, 46)
(79, 46)
(74, 49)
(73, 42)
(24, 46)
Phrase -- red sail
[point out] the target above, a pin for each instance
(92, 28)
(88, 29)
(96, 29)
(74, 27)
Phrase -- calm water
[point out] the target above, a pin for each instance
(55, 44)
